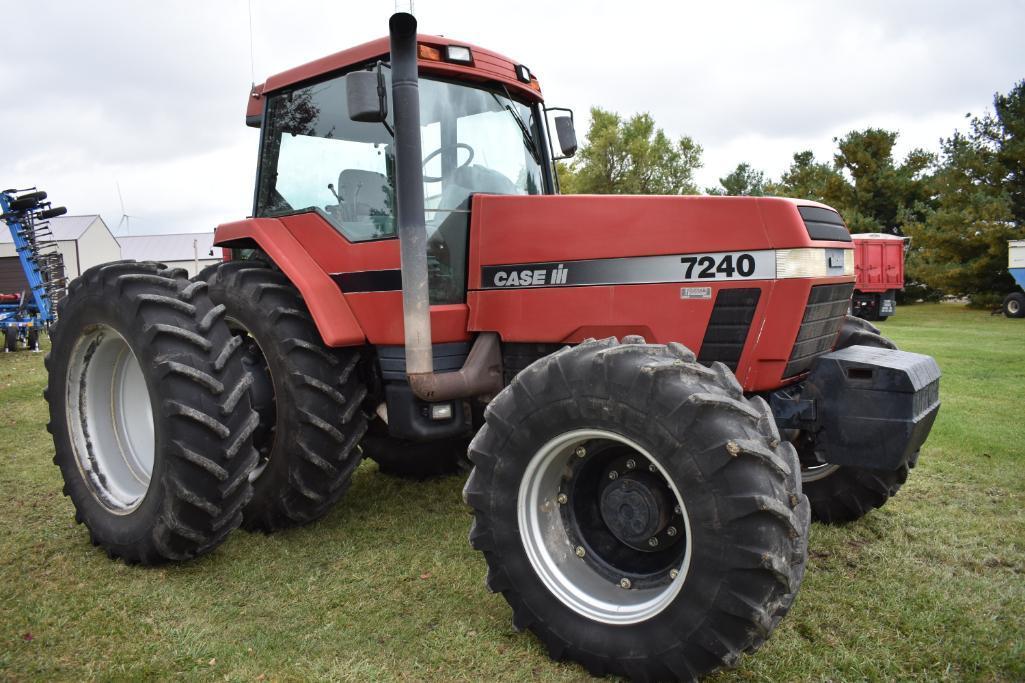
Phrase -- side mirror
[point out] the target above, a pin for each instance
(567, 133)
(365, 95)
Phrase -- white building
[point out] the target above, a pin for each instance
(85, 241)
(192, 251)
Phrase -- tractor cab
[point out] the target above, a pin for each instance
(482, 130)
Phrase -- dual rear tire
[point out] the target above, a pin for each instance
(182, 409)
(309, 397)
(149, 412)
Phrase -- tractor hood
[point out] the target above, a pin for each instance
(695, 238)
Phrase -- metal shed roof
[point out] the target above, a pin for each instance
(64, 228)
(176, 247)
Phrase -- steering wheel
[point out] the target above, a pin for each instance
(457, 147)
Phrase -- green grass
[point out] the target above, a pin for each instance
(930, 587)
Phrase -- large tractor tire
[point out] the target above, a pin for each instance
(11, 338)
(639, 515)
(840, 494)
(149, 412)
(1014, 305)
(413, 459)
(308, 396)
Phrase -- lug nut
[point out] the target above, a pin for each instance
(652, 468)
(613, 474)
(624, 583)
(678, 510)
(562, 498)
(773, 443)
(671, 531)
(581, 451)
(630, 464)
(673, 573)
(580, 551)
(653, 541)
(732, 448)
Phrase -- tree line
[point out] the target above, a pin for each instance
(959, 205)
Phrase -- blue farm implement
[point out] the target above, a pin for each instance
(24, 314)
(1014, 303)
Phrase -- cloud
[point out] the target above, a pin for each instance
(152, 95)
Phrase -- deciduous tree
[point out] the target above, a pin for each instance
(630, 156)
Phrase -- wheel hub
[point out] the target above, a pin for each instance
(636, 507)
(604, 526)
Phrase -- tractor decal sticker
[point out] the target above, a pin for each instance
(716, 266)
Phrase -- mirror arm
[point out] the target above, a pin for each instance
(382, 94)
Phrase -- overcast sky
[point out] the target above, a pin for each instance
(151, 95)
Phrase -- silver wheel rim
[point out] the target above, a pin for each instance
(110, 419)
(1013, 307)
(551, 552)
(816, 472)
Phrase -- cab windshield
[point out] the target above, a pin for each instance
(314, 158)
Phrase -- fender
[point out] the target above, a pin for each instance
(332, 315)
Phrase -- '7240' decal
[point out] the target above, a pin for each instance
(709, 268)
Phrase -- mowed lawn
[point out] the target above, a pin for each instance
(930, 587)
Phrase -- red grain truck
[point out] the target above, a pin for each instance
(878, 273)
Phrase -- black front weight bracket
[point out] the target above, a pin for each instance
(865, 406)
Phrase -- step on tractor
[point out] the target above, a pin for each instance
(24, 314)
(655, 394)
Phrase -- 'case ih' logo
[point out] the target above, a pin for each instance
(531, 277)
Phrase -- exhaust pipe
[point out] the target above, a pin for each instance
(482, 372)
(409, 191)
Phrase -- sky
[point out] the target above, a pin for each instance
(150, 96)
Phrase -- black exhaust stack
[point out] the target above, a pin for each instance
(409, 191)
(482, 372)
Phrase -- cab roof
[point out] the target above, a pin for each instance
(486, 66)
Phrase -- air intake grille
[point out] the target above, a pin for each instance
(824, 224)
(728, 327)
(827, 306)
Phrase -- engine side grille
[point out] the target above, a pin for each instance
(728, 326)
(824, 224)
(827, 306)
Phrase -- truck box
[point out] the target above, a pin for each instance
(879, 274)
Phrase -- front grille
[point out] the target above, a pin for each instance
(728, 326)
(827, 306)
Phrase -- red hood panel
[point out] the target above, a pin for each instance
(524, 229)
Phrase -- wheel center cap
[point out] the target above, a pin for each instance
(634, 510)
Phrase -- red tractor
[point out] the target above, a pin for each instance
(661, 391)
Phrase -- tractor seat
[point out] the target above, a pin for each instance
(364, 194)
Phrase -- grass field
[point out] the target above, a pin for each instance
(931, 587)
